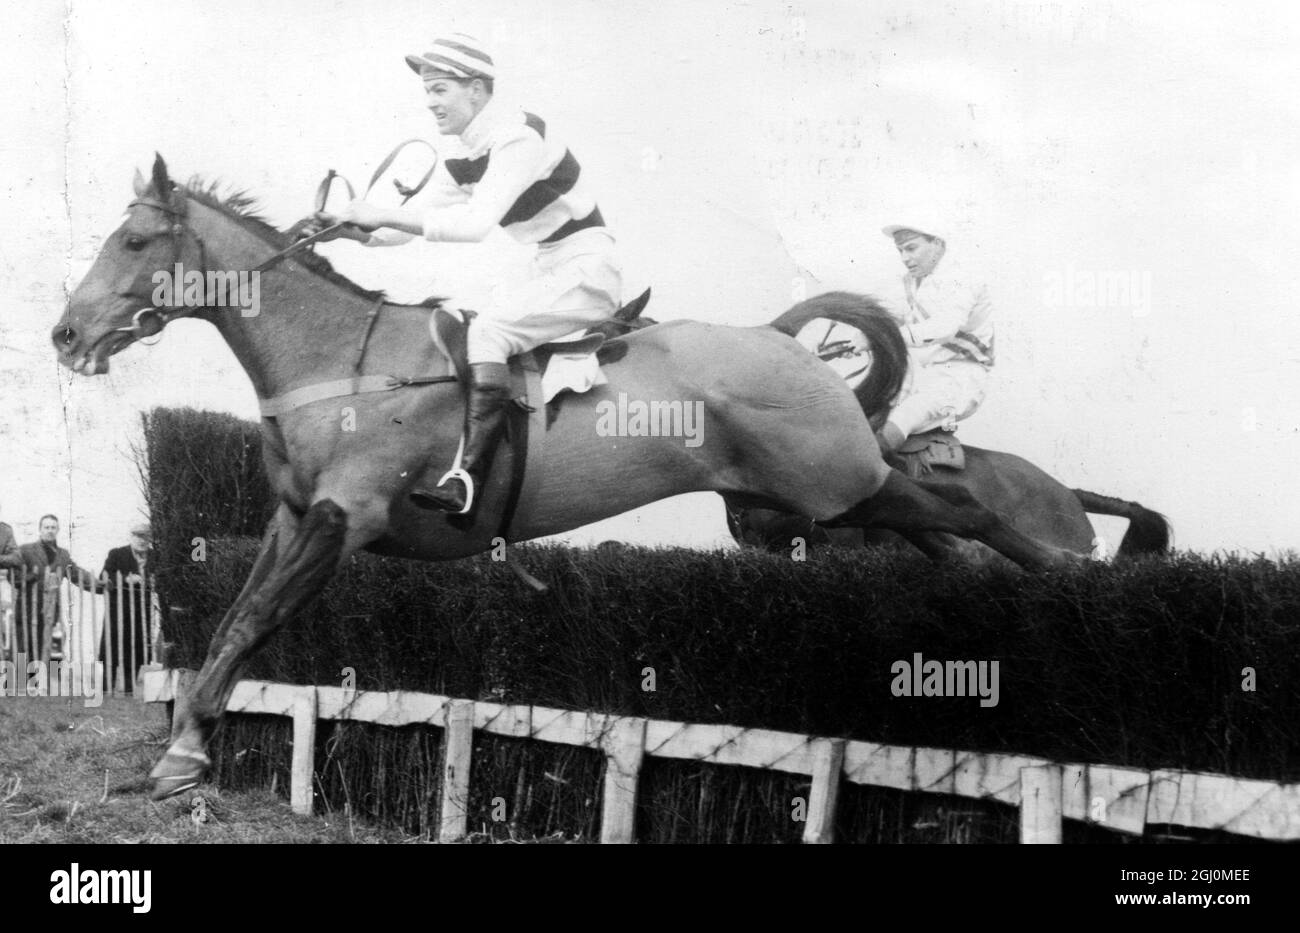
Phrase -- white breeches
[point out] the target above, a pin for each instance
(574, 284)
(939, 395)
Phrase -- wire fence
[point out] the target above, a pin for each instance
(105, 628)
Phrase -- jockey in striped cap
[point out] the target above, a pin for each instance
(949, 332)
(509, 172)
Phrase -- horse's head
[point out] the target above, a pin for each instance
(115, 304)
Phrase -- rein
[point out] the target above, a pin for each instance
(148, 322)
(323, 191)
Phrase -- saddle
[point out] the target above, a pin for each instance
(450, 333)
(921, 454)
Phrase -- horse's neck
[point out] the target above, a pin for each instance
(306, 327)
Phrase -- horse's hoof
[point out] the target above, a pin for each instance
(177, 773)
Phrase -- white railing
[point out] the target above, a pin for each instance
(1122, 799)
(108, 625)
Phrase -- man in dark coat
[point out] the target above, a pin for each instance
(9, 556)
(45, 565)
(127, 590)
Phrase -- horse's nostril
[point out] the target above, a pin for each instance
(64, 335)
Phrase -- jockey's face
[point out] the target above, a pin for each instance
(921, 254)
(453, 103)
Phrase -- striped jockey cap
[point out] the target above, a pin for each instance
(456, 55)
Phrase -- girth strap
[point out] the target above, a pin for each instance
(338, 388)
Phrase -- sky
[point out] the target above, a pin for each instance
(745, 154)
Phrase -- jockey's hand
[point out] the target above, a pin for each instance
(321, 220)
(362, 214)
(310, 226)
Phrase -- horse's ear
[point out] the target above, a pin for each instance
(162, 185)
(632, 310)
(139, 184)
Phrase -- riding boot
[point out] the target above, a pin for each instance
(485, 420)
(890, 438)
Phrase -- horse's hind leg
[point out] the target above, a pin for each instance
(292, 567)
(938, 547)
(908, 507)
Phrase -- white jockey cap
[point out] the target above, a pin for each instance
(456, 55)
(926, 229)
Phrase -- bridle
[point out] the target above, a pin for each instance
(148, 322)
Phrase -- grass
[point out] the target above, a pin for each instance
(70, 774)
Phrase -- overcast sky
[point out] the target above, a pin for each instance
(741, 152)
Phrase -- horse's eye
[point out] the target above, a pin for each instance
(135, 243)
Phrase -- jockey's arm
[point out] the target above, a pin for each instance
(948, 314)
(441, 191)
(513, 167)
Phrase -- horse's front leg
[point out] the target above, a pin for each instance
(298, 556)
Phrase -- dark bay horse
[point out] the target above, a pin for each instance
(779, 428)
(1022, 494)
(1025, 496)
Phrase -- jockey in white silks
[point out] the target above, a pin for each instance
(946, 319)
(509, 172)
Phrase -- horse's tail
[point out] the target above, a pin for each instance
(1148, 532)
(888, 368)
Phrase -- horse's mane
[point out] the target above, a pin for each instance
(242, 208)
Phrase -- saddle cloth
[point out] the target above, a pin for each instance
(572, 366)
(921, 453)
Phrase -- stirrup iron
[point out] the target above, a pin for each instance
(457, 473)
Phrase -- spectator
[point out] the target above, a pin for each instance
(9, 556)
(127, 589)
(46, 565)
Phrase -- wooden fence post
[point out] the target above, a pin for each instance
(304, 751)
(458, 743)
(624, 747)
(1041, 793)
(828, 762)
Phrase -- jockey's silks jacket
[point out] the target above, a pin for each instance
(507, 171)
(948, 317)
